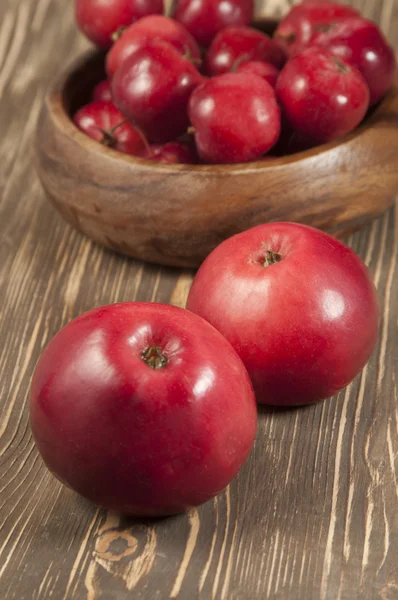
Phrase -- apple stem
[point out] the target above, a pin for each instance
(239, 60)
(116, 35)
(188, 56)
(153, 356)
(108, 138)
(270, 258)
(288, 39)
(342, 67)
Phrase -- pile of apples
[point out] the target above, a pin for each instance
(205, 86)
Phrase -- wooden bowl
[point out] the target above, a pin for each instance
(176, 214)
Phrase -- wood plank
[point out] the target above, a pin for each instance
(313, 513)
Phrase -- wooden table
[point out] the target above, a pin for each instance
(313, 515)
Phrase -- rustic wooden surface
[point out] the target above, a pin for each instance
(314, 513)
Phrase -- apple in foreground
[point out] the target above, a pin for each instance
(298, 306)
(142, 408)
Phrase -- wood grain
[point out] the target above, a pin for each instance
(312, 516)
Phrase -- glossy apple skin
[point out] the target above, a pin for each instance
(103, 122)
(295, 30)
(102, 92)
(235, 117)
(321, 96)
(361, 43)
(152, 88)
(154, 27)
(205, 18)
(100, 19)
(305, 326)
(131, 438)
(264, 70)
(235, 44)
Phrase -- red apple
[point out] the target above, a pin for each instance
(103, 122)
(297, 305)
(205, 18)
(154, 27)
(295, 30)
(142, 408)
(174, 153)
(235, 44)
(361, 43)
(152, 88)
(322, 96)
(102, 92)
(235, 117)
(99, 20)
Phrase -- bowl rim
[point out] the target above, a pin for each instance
(54, 100)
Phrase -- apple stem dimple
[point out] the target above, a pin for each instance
(109, 139)
(324, 27)
(153, 356)
(342, 67)
(270, 258)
